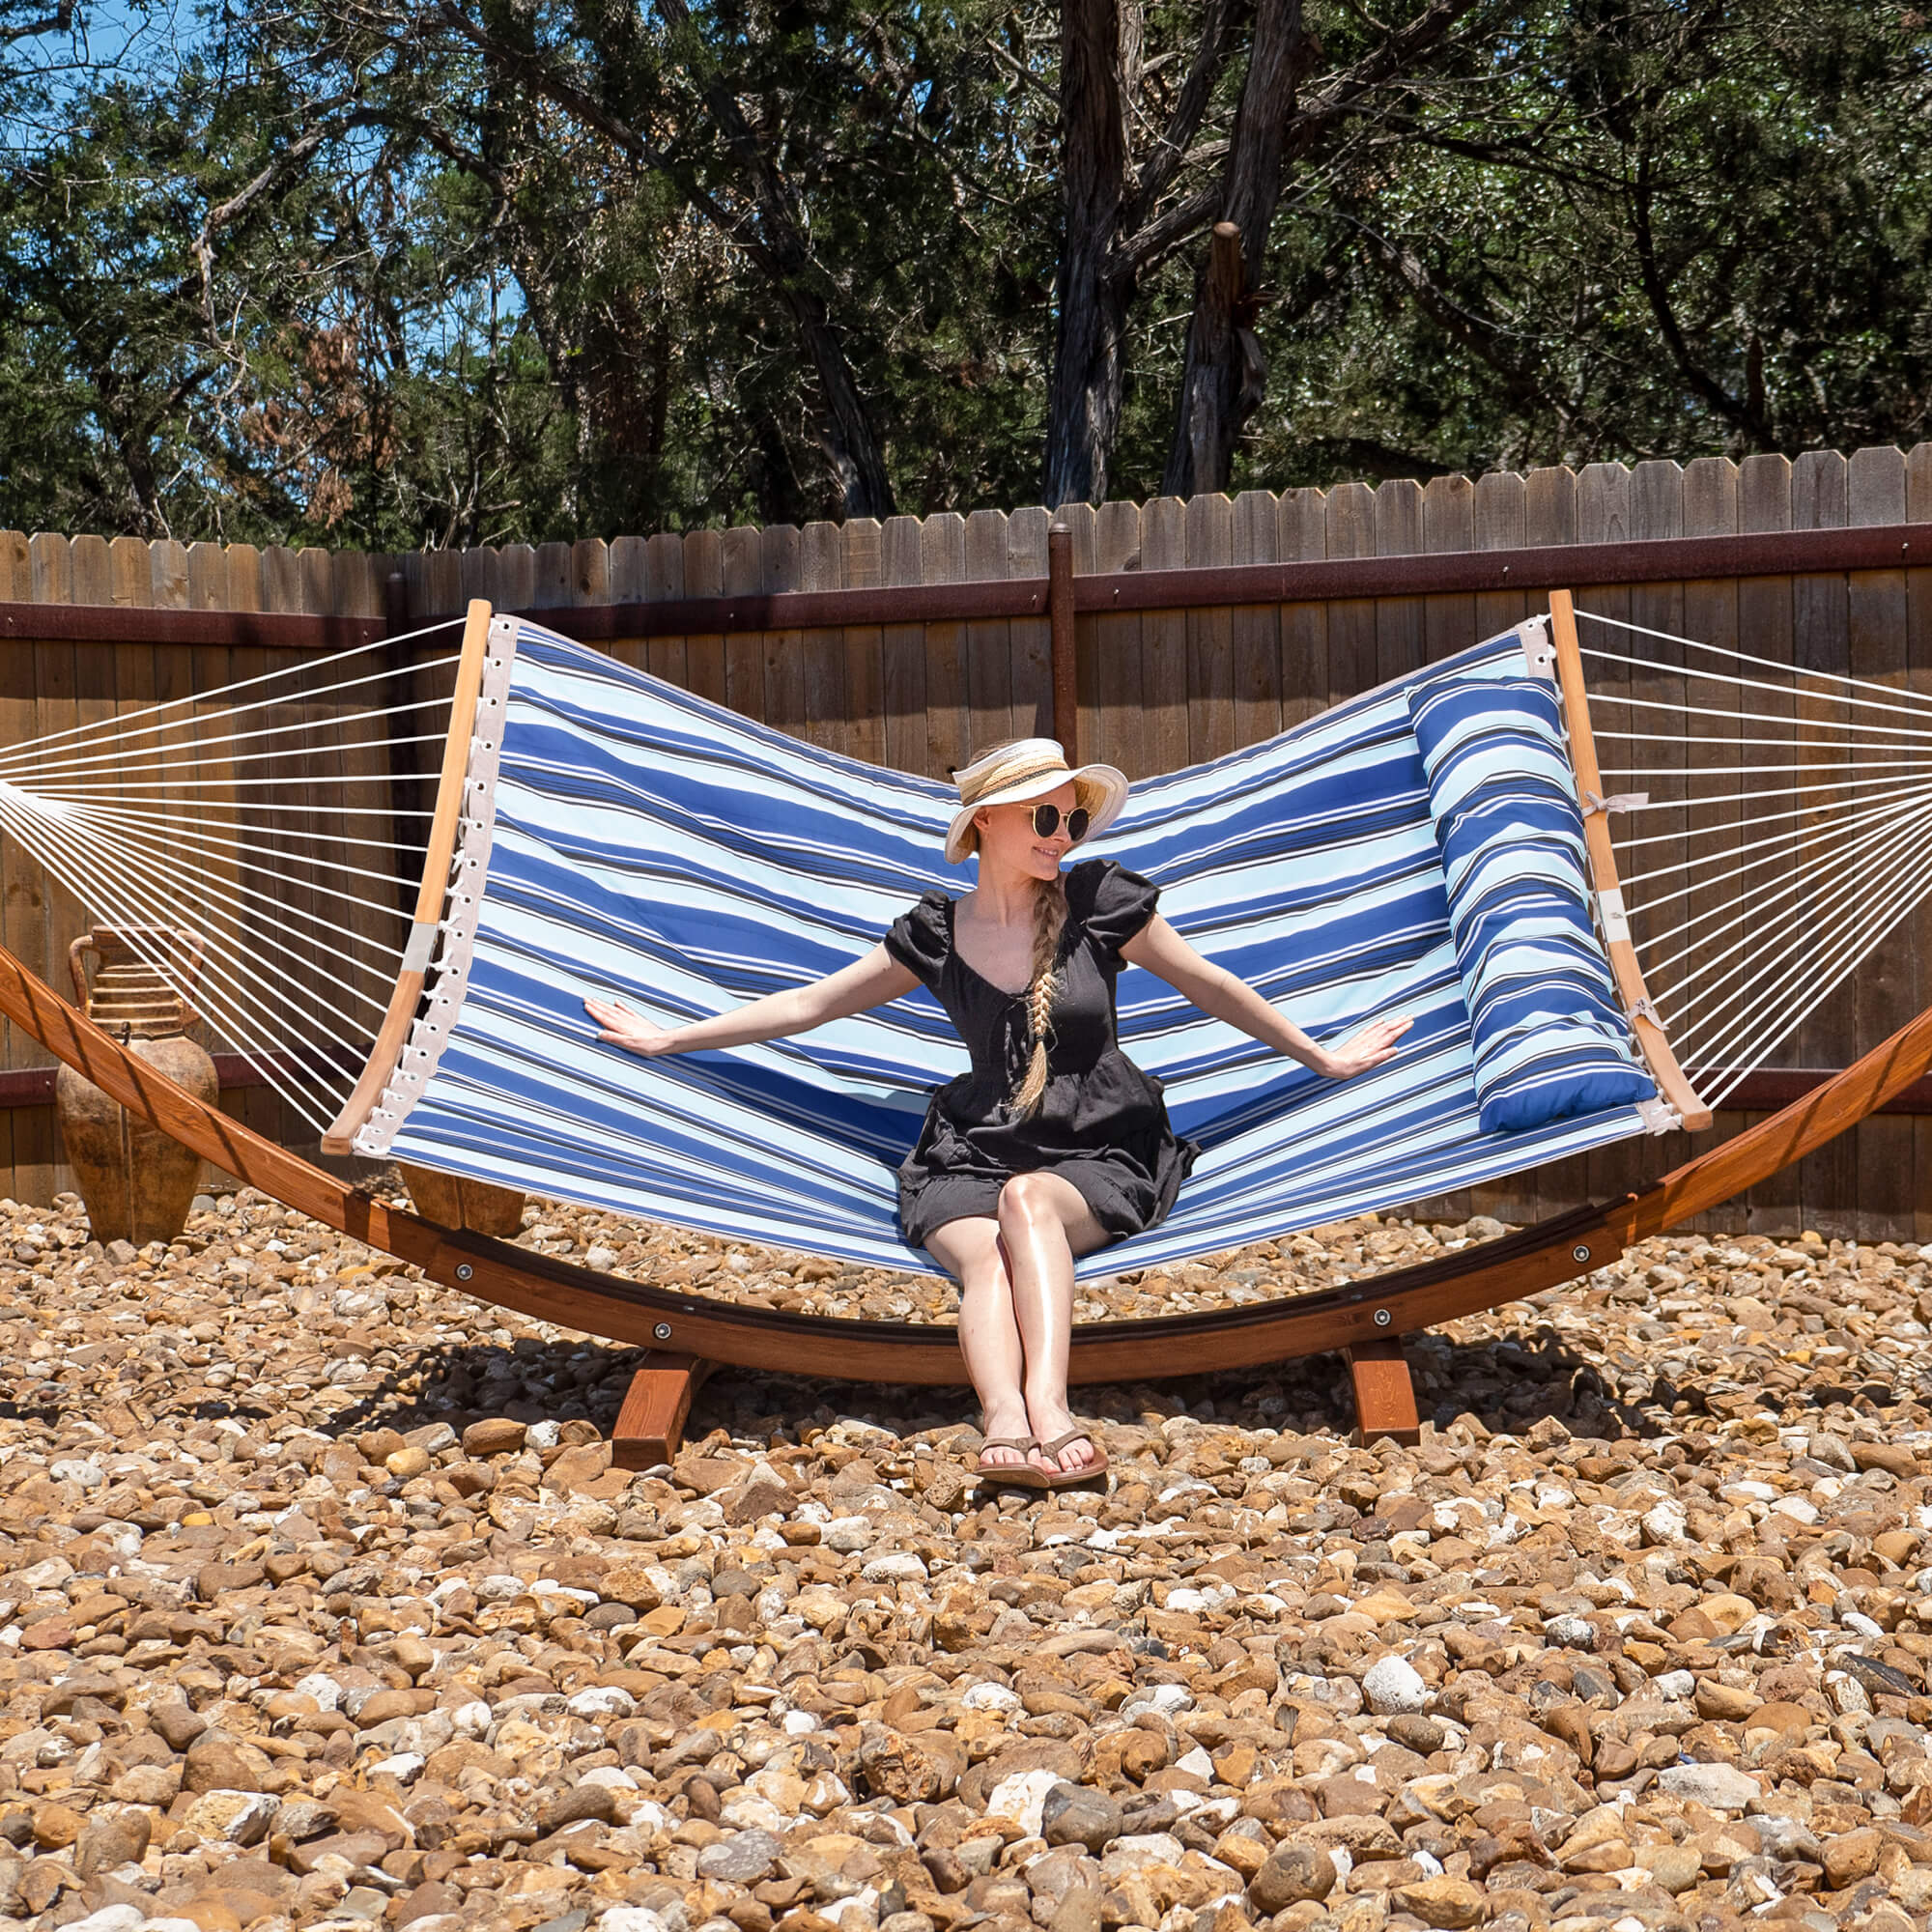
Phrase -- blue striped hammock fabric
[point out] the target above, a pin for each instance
(1415, 850)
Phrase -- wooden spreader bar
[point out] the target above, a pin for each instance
(1672, 1083)
(407, 994)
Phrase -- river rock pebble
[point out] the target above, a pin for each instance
(321, 1604)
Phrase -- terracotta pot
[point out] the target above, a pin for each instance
(138, 1184)
(453, 1201)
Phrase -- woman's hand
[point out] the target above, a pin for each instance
(1370, 1047)
(631, 1030)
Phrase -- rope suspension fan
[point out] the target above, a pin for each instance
(1584, 963)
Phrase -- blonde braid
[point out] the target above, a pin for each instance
(1049, 919)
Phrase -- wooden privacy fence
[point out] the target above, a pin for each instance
(1183, 631)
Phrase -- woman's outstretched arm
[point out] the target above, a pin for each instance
(869, 981)
(1217, 991)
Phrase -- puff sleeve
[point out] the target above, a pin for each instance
(919, 937)
(1122, 903)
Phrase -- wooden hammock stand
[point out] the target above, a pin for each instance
(687, 1336)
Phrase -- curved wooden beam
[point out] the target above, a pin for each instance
(407, 994)
(1359, 1313)
(1671, 1080)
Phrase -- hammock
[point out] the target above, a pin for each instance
(1425, 848)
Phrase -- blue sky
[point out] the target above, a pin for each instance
(109, 37)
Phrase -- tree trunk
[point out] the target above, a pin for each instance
(846, 432)
(1224, 378)
(845, 428)
(1083, 412)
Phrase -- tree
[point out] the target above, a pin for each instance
(1649, 230)
(400, 274)
(1127, 212)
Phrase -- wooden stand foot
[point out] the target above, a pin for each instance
(1384, 1394)
(651, 1425)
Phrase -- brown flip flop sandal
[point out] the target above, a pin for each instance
(1022, 1475)
(1067, 1479)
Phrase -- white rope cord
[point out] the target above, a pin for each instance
(209, 993)
(1847, 886)
(1849, 683)
(131, 870)
(177, 785)
(1756, 717)
(1630, 843)
(1805, 743)
(1781, 845)
(1806, 790)
(169, 821)
(1863, 932)
(1717, 982)
(1880, 827)
(1775, 999)
(329, 928)
(100, 784)
(149, 863)
(1869, 935)
(132, 876)
(1845, 812)
(165, 799)
(248, 683)
(1756, 916)
(58, 766)
(1786, 693)
(1900, 764)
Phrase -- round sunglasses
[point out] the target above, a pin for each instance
(1047, 821)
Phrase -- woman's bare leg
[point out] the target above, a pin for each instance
(989, 1335)
(1045, 1221)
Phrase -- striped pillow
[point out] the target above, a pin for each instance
(1549, 1039)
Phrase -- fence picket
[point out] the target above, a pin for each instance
(1210, 541)
(1710, 499)
(1776, 1205)
(667, 658)
(1115, 724)
(1917, 933)
(1821, 638)
(1501, 518)
(902, 656)
(1885, 990)
(989, 643)
(1448, 523)
(1301, 535)
(1164, 636)
(949, 741)
(821, 566)
(1032, 640)
(780, 567)
(706, 663)
(1256, 641)
(860, 566)
(1398, 619)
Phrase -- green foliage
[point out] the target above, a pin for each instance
(541, 285)
(1645, 231)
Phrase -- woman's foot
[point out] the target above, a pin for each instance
(1077, 1457)
(1007, 1441)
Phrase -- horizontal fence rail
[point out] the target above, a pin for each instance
(1149, 635)
(1550, 567)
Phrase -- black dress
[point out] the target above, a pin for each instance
(1103, 1123)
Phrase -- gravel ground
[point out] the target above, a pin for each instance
(320, 1605)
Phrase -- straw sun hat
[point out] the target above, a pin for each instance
(1028, 769)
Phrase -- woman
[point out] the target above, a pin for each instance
(1055, 1143)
